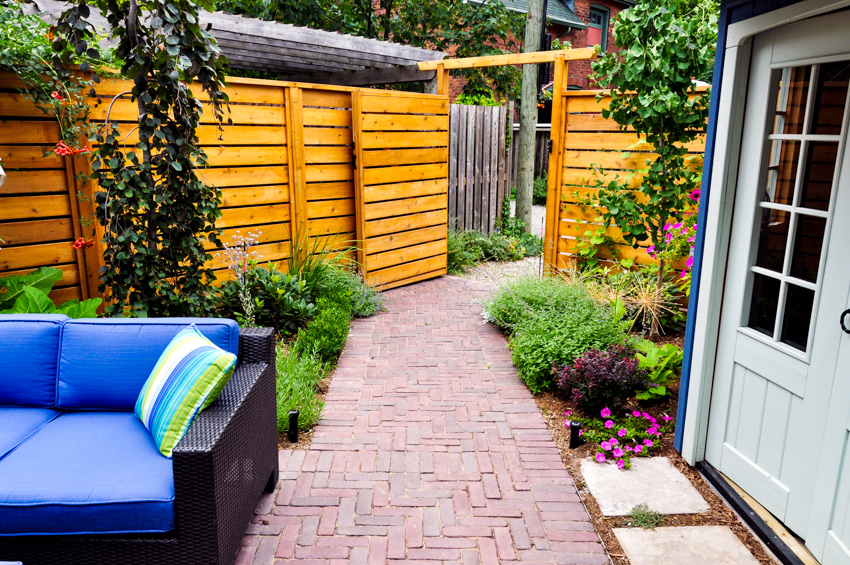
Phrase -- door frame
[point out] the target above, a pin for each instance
(721, 200)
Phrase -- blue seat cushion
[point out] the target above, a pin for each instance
(17, 423)
(29, 351)
(87, 473)
(103, 363)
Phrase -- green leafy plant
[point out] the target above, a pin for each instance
(662, 365)
(28, 294)
(479, 98)
(539, 190)
(155, 211)
(550, 322)
(325, 334)
(342, 286)
(312, 257)
(652, 91)
(643, 517)
(298, 377)
(281, 300)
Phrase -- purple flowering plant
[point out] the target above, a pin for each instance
(602, 378)
(633, 433)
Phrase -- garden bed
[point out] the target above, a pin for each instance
(553, 409)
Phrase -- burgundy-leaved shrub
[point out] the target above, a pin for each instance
(601, 378)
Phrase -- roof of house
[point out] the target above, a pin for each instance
(250, 43)
(557, 12)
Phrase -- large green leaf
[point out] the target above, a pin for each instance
(41, 279)
(31, 301)
(76, 309)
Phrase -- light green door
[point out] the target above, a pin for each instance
(777, 362)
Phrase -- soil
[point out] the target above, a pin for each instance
(554, 407)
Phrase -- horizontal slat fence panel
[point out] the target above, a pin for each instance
(480, 166)
(285, 165)
(589, 141)
(402, 175)
(38, 210)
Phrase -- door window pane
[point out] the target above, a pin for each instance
(764, 303)
(791, 103)
(820, 169)
(830, 96)
(797, 317)
(773, 239)
(782, 171)
(808, 242)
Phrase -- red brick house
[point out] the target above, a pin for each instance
(584, 23)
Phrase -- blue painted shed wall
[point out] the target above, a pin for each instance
(730, 12)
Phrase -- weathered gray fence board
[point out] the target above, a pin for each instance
(480, 168)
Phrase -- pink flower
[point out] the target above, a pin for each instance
(666, 418)
(645, 415)
(618, 452)
(692, 239)
(652, 430)
(635, 413)
(567, 413)
(651, 250)
(638, 449)
(605, 413)
(621, 464)
(696, 194)
(667, 226)
(580, 432)
(605, 445)
(622, 432)
(600, 458)
(609, 424)
(567, 422)
(653, 420)
(628, 448)
(648, 442)
(613, 441)
(677, 225)
(683, 274)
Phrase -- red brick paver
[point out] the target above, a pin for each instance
(430, 450)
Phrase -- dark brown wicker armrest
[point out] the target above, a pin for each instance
(256, 345)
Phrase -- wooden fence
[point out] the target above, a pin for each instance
(480, 168)
(541, 152)
(581, 139)
(367, 166)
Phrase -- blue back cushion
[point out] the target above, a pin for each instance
(104, 363)
(29, 350)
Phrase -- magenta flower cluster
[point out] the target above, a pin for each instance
(612, 449)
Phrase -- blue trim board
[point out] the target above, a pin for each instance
(711, 134)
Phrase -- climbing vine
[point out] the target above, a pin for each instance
(155, 211)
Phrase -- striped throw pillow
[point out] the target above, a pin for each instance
(189, 375)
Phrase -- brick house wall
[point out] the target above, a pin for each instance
(579, 71)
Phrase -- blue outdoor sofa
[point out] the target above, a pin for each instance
(81, 479)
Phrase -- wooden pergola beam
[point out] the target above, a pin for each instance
(509, 59)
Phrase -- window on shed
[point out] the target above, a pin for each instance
(597, 27)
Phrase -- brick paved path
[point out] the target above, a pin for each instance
(430, 450)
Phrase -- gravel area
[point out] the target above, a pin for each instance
(499, 273)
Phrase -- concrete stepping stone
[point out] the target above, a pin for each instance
(652, 480)
(688, 545)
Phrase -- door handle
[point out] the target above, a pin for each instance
(841, 321)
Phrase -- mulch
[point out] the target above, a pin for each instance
(553, 408)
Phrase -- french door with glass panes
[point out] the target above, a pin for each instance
(788, 261)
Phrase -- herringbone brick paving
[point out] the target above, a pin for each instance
(430, 449)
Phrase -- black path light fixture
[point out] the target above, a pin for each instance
(292, 432)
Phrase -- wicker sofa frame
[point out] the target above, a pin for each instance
(223, 464)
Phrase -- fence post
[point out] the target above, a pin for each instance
(463, 124)
(359, 197)
(553, 192)
(454, 111)
(297, 170)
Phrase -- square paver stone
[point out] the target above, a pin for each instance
(689, 545)
(652, 480)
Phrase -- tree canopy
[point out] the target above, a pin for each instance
(457, 26)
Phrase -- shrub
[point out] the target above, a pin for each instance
(311, 259)
(529, 296)
(325, 334)
(600, 378)
(344, 287)
(539, 190)
(298, 377)
(460, 254)
(530, 245)
(281, 300)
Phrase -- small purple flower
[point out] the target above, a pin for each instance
(622, 432)
(648, 442)
(609, 424)
(605, 445)
(621, 464)
(638, 449)
(600, 458)
(605, 413)
(618, 452)
(652, 430)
